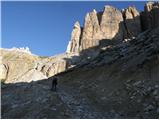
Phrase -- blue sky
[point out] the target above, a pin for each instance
(45, 27)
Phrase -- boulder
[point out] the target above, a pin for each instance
(3, 72)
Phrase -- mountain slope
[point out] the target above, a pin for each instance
(122, 86)
(110, 70)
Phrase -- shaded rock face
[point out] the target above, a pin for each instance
(132, 22)
(150, 16)
(73, 45)
(3, 72)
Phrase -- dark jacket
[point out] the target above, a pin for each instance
(54, 82)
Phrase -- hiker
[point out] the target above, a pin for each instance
(54, 83)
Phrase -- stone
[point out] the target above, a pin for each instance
(155, 92)
(3, 72)
(57, 67)
(112, 23)
(132, 22)
(137, 83)
(73, 45)
(156, 86)
(149, 107)
(150, 16)
(14, 106)
(53, 108)
(52, 67)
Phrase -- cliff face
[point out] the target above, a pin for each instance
(132, 22)
(90, 31)
(150, 16)
(112, 24)
(17, 65)
(20, 66)
(73, 45)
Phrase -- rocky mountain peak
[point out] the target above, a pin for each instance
(150, 5)
(108, 8)
(77, 24)
(73, 45)
(150, 16)
(130, 12)
(94, 10)
(112, 24)
(132, 22)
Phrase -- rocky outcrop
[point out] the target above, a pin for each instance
(19, 66)
(97, 26)
(52, 67)
(132, 22)
(73, 45)
(106, 25)
(16, 64)
(150, 15)
(111, 24)
(3, 72)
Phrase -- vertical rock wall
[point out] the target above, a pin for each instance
(91, 31)
(73, 45)
(132, 22)
(3, 72)
(150, 15)
(112, 24)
